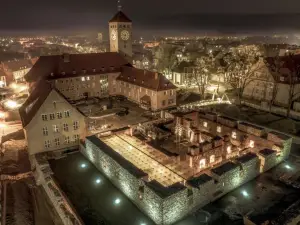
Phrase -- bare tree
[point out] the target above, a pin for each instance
(242, 66)
(200, 74)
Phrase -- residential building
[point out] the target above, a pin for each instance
(17, 69)
(50, 122)
(149, 89)
(78, 76)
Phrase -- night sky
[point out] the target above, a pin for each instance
(154, 15)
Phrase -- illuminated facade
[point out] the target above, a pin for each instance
(214, 156)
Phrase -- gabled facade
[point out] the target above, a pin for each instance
(50, 122)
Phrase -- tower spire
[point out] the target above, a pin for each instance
(119, 5)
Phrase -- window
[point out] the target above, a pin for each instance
(67, 140)
(75, 125)
(66, 127)
(251, 144)
(56, 141)
(163, 102)
(52, 116)
(87, 78)
(202, 163)
(165, 92)
(219, 129)
(228, 149)
(55, 128)
(67, 113)
(82, 78)
(59, 115)
(54, 104)
(233, 135)
(76, 138)
(44, 117)
(45, 131)
(205, 124)
(212, 158)
(170, 101)
(47, 144)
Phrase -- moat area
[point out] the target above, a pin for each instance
(98, 201)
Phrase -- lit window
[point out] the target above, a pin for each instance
(205, 124)
(251, 144)
(45, 131)
(67, 113)
(56, 141)
(212, 159)
(202, 163)
(76, 138)
(233, 135)
(52, 116)
(44, 117)
(82, 78)
(67, 140)
(66, 127)
(59, 115)
(165, 92)
(228, 149)
(55, 128)
(87, 78)
(47, 144)
(75, 125)
(219, 129)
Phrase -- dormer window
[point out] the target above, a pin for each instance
(142, 81)
(128, 77)
(51, 74)
(63, 73)
(103, 68)
(84, 71)
(94, 70)
(74, 72)
(134, 79)
(112, 68)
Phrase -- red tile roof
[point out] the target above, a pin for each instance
(120, 17)
(289, 65)
(34, 102)
(145, 78)
(16, 65)
(70, 65)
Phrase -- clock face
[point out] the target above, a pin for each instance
(125, 35)
(113, 35)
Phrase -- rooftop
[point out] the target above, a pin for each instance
(226, 167)
(266, 152)
(247, 157)
(144, 78)
(165, 192)
(120, 17)
(197, 181)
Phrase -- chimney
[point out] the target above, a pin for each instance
(66, 58)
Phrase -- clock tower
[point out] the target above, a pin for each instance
(120, 34)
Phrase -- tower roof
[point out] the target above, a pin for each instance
(120, 17)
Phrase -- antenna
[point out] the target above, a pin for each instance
(119, 5)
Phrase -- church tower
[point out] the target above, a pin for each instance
(120, 33)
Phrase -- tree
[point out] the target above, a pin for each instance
(200, 74)
(241, 66)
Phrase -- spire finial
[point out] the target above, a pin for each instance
(119, 5)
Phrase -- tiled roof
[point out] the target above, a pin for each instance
(145, 78)
(288, 65)
(34, 102)
(70, 65)
(120, 17)
(16, 65)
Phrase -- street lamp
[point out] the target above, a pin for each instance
(245, 193)
(117, 201)
(83, 165)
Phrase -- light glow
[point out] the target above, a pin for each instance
(98, 181)
(251, 144)
(245, 193)
(288, 167)
(117, 201)
(83, 165)
(11, 104)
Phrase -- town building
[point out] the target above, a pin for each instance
(50, 122)
(16, 69)
(150, 90)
